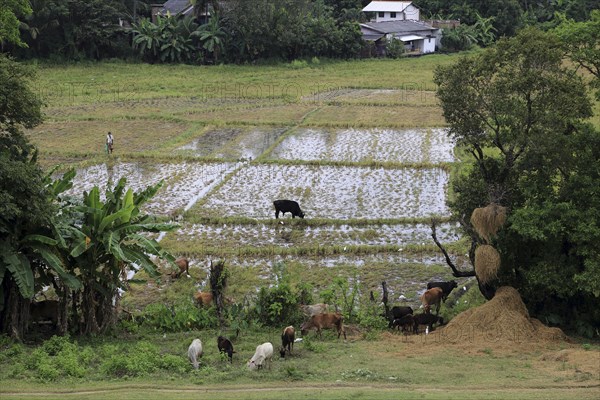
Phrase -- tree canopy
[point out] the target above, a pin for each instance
(520, 114)
(10, 12)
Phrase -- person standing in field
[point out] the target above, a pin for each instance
(109, 143)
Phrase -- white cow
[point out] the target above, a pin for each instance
(195, 352)
(263, 353)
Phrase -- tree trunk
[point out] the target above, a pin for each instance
(14, 317)
(486, 290)
(88, 309)
(384, 298)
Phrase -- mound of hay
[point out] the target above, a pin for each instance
(488, 220)
(487, 263)
(502, 319)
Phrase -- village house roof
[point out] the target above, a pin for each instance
(391, 6)
(397, 27)
(175, 7)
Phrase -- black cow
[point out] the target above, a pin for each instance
(398, 312)
(225, 346)
(426, 319)
(445, 286)
(290, 206)
(406, 323)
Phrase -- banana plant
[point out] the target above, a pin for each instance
(113, 237)
(31, 256)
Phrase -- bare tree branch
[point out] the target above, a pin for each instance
(455, 271)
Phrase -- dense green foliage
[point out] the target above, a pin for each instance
(508, 16)
(581, 41)
(520, 114)
(29, 229)
(10, 12)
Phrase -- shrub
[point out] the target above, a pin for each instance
(394, 48)
(278, 305)
(182, 316)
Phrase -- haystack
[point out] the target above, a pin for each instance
(488, 220)
(487, 263)
(504, 318)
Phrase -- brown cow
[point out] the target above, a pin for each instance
(287, 340)
(203, 298)
(324, 321)
(431, 297)
(184, 266)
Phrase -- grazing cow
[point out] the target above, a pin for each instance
(184, 266)
(431, 297)
(324, 321)
(445, 286)
(287, 340)
(398, 312)
(226, 347)
(203, 298)
(426, 319)
(406, 323)
(263, 353)
(290, 206)
(314, 309)
(44, 311)
(195, 352)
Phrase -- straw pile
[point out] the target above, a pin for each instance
(488, 220)
(487, 263)
(504, 318)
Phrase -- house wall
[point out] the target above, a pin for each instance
(388, 17)
(412, 12)
(429, 45)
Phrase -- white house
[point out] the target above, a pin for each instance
(393, 10)
(400, 20)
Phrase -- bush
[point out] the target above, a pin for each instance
(141, 359)
(59, 357)
(278, 306)
(394, 48)
(182, 316)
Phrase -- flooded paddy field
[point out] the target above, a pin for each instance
(331, 192)
(360, 145)
(183, 182)
(287, 235)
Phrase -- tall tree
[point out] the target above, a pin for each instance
(10, 12)
(519, 113)
(28, 232)
(581, 41)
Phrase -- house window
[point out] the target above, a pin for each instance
(392, 15)
(381, 14)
